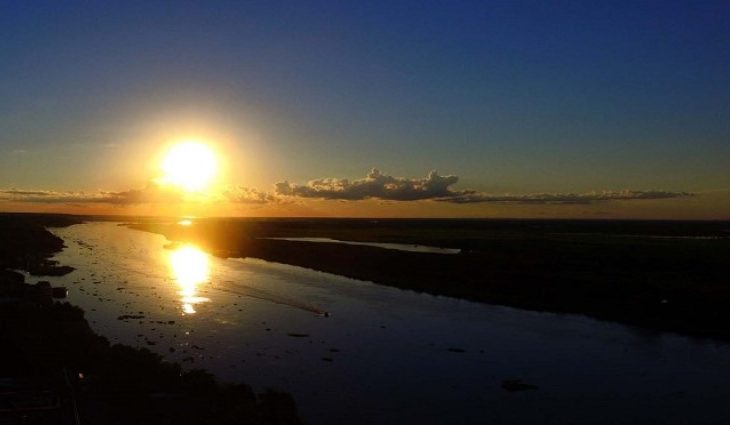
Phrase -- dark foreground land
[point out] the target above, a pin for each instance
(660, 275)
(55, 370)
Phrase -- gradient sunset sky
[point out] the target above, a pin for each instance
(525, 108)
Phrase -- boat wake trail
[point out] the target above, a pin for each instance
(249, 291)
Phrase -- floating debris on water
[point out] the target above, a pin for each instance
(130, 316)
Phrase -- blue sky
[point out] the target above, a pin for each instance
(512, 96)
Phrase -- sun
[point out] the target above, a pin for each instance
(189, 165)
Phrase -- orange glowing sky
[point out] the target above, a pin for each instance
(336, 110)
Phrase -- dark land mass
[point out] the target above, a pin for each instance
(55, 369)
(661, 275)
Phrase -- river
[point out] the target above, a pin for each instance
(359, 353)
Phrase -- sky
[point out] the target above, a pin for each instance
(394, 109)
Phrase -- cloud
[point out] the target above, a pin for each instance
(470, 197)
(375, 185)
(245, 195)
(24, 193)
(150, 194)
(49, 196)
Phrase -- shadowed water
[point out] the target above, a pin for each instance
(383, 355)
(395, 246)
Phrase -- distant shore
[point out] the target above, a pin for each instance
(667, 276)
(49, 351)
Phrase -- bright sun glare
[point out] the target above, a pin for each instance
(190, 166)
(190, 268)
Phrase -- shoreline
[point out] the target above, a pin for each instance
(50, 349)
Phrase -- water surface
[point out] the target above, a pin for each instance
(383, 355)
(384, 245)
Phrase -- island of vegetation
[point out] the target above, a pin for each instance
(660, 275)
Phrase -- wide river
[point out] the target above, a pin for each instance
(383, 355)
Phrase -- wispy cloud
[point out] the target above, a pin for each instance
(49, 196)
(245, 195)
(148, 195)
(470, 197)
(151, 194)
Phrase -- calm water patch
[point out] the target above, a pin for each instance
(396, 246)
(383, 355)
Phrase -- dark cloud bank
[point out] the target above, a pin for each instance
(377, 185)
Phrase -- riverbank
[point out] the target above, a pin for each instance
(659, 275)
(57, 369)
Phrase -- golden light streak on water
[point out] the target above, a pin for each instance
(190, 268)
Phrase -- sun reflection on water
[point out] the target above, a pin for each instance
(190, 268)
